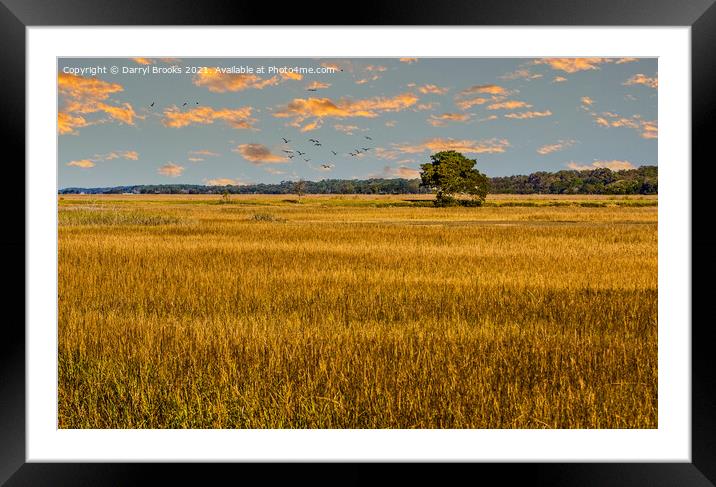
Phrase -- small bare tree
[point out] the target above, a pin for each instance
(299, 187)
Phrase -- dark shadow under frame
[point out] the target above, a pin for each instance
(16, 15)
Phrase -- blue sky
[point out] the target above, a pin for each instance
(223, 121)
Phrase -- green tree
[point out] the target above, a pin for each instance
(450, 173)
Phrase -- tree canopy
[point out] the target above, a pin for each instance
(641, 180)
(450, 173)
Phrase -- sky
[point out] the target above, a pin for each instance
(216, 121)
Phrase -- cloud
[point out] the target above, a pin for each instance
(521, 73)
(642, 79)
(218, 82)
(437, 144)
(170, 169)
(317, 85)
(587, 103)
(627, 60)
(613, 165)
(87, 95)
(524, 115)
(391, 123)
(125, 113)
(66, 123)
(238, 118)
(409, 60)
(300, 109)
(470, 102)
(373, 71)
(389, 154)
(432, 89)
(484, 89)
(559, 79)
(558, 146)
(273, 170)
(258, 154)
(224, 182)
(426, 106)
(128, 154)
(397, 172)
(367, 80)
(83, 163)
(475, 95)
(204, 152)
(199, 155)
(109, 156)
(312, 125)
(85, 90)
(487, 119)
(143, 60)
(442, 119)
(508, 105)
(288, 74)
(406, 172)
(573, 65)
(347, 129)
(333, 66)
(648, 129)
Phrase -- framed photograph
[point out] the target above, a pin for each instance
(448, 235)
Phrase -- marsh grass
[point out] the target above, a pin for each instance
(109, 217)
(356, 316)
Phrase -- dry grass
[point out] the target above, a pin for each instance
(348, 312)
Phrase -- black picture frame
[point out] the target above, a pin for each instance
(16, 15)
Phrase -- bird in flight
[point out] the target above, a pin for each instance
(151, 105)
(315, 141)
(285, 140)
(311, 89)
(334, 153)
(291, 156)
(288, 151)
(306, 160)
(326, 166)
(367, 137)
(366, 149)
(317, 144)
(184, 104)
(301, 153)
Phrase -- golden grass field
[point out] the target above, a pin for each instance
(357, 312)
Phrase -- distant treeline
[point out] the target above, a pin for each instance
(643, 180)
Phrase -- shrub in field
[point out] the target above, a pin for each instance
(266, 217)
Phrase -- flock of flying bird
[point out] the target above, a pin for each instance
(317, 143)
(186, 102)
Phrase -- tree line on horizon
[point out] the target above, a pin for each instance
(642, 180)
